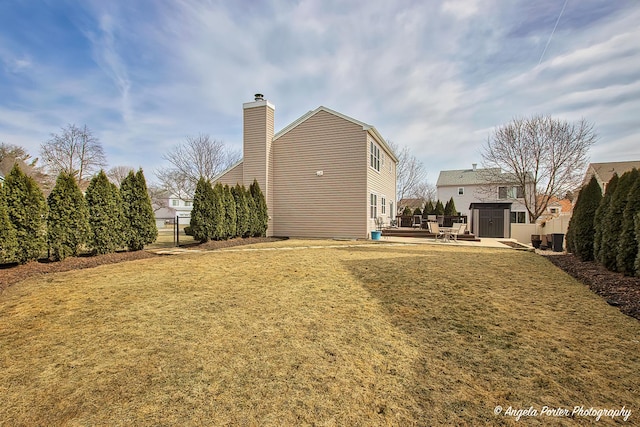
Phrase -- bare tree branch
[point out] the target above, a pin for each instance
(196, 157)
(11, 154)
(75, 151)
(118, 173)
(543, 155)
(410, 173)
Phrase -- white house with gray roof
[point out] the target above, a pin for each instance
(490, 200)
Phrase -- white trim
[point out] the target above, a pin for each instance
(261, 103)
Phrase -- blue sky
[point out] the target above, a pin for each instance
(436, 76)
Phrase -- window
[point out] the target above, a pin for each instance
(383, 205)
(374, 205)
(510, 192)
(460, 191)
(187, 203)
(374, 156)
(175, 202)
(518, 217)
(502, 193)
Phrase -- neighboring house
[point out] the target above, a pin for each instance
(171, 207)
(555, 208)
(491, 200)
(604, 172)
(324, 175)
(411, 203)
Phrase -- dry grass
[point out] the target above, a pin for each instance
(367, 335)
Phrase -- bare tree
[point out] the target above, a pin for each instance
(159, 197)
(11, 154)
(410, 173)
(76, 151)
(425, 191)
(196, 157)
(118, 173)
(540, 154)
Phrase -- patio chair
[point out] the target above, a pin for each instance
(458, 228)
(434, 229)
(417, 221)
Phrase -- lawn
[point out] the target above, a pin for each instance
(364, 335)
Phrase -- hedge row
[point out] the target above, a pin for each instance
(223, 212)
(607, 228)
(102, 220)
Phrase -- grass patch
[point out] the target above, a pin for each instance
(373, 334)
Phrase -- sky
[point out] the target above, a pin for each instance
(436, 76)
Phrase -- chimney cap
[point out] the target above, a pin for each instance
(259, 96)
(474, 165)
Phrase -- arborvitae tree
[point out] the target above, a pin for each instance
(450, 208)
(613, 221)
(230, 212)
(242, 210)
(628, 243)
(407, 211)
(253, 214)
(68, 220)
(106, 217)
(428, 209)
(637, 264)
(202, 212)
(141, 224)
(601, 214)
(219, 213)
(439, 208)
(417, 211)
(262, 215)
(8, 240)
(581, 227)
(27, 209)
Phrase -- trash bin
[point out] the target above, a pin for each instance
(558, 238)
(375, 235)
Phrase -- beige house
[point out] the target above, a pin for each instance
(605, 171)
(324, 175)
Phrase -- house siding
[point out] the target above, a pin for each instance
(334, 204)
(382, 183)
(233, 176)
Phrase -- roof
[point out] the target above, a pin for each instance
(465, 177)
(604, 171)
(364, 126)
(412, 203)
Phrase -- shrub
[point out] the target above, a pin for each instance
(218, 213)
(201, 223)
(428, 209)
(439, 209)
(417, 211)
(68, 220)
(262, 215)
(601, 214)
(242, 210)
(230, 212)
(140, 223)
(188, 231)
(106, 217)
(8, 240)
(27, 210)
(581, 226)
(628, 243)
(613, 221)
(406, 211)
(637, 263)
(450, 208)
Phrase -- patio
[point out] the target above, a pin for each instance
(422, 233)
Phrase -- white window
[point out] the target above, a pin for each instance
(374, 156)
(187, 203)
(374, 205)
(515, 192)
(460, 191)
(518, 217)
(383, 205)
(175, 202)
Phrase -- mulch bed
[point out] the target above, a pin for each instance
(10, 274)
(618, 290)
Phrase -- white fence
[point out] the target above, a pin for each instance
(522, 232)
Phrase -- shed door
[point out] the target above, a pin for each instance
(491, 223)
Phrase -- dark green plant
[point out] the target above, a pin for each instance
(201, 223)
(8, 239)
(262, 215)
(27, 210)
(141, 225)
(581, 231)
(628, 243)
(417, 211)
(428, 209)
(613, 221)
(406, 211)
(106, 217)
(219, 231)
(601, 214)
(68, 220)
(253, 214)
(450, 208)
(439, 208)
(230, 213)
(637, 263)
(242, 210)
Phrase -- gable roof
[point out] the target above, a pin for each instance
(604, 171)
(366, 127)
(465, 177)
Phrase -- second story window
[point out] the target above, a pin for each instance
(460, 191)
(510, 192)
(374, 156)
(175, 202)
